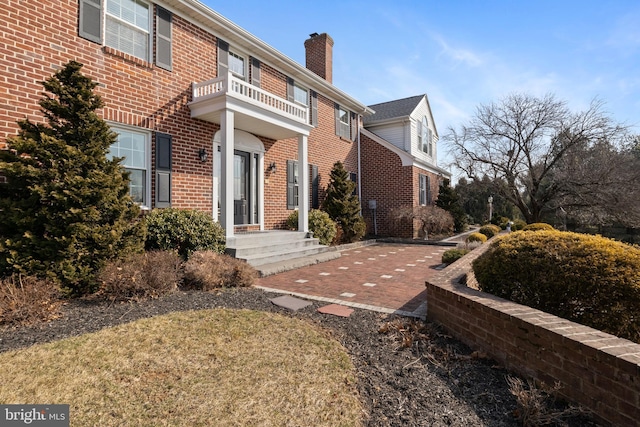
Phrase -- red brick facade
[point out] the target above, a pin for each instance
(39, 36)
(392, 186)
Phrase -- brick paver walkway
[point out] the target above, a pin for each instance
(383, 277)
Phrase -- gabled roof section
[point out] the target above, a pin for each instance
(393, 109)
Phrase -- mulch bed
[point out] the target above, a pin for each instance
(434, 381)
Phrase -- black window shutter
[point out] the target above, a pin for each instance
(163, 170)
(314, 108)
(354, 127)
(256, 78)
(428, 184)
(163, 38)
(337, 114)
(353, 177)
(90, 25)
(290, 96)
(315, 186)
(223, 58)
(291, 184)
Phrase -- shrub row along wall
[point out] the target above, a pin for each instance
(595, 369)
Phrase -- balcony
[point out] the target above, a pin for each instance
(255, 110)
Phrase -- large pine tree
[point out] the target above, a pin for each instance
(342, 205)
(65, 206)
(449, 200)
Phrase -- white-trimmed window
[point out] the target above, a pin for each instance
(424, 189)
(343, 122)
(300, 95)
(237, 65)
(127, 27)
(133, 147)
(425, 137)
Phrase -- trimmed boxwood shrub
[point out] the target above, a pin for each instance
(538, 226)
(489, 230)
(452, 255)
(518, 224)
(184, 231)
(320, 224)
(588, 279)
(476, 237)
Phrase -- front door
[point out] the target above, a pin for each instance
(241, 169)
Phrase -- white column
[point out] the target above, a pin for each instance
(261, 190)
(303, 183)
(226, 175)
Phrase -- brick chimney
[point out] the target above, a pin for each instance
(319, 55)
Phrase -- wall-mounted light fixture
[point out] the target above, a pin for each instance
(203, 155)
(272, 168)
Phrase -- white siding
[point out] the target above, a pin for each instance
(422, 110)
(394, 133)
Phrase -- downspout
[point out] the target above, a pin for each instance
(359, 167)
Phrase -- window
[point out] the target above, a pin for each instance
(292, 184)
(236, 65)
(133, 148)
(343, 122)
(424, 189)
(300, 95)
(353, 177)
(127, 26)
(424, 136)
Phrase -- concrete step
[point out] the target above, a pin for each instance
(275, 251)
(291, 264)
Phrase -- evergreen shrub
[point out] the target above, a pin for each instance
(320, 224)
(343, 206)
(184, 231)
(518, 224)
(476, 237)
(489, 230)
(588, 279)
(452, 255)
(538, 226)
(66, 208)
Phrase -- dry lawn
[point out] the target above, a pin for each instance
(198, 368)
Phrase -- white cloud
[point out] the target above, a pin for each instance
(458, 55)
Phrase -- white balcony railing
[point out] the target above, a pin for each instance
(232, 86)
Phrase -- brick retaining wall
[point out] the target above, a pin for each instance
(596, 370)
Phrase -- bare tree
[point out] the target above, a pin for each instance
(519, 143)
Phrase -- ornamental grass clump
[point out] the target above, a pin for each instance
(588, 279)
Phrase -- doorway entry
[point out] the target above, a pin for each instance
(241, 187)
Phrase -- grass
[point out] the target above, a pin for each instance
(195, 368)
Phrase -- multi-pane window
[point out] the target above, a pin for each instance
(127, 27)
(343, 125)
(236, 65)
(133, 147)
(300, 95)
(424, 189)
(425, 136)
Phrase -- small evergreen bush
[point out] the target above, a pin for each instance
(207, 270)
(343, 206)
(452, 255)
(141, 276)
(476, 237)
(320, 224)
(538, 226)
(184, 231)
(518, 224)
(489, 230)
(27, 299)
(588, 279)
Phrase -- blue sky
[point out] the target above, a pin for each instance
(463, 53)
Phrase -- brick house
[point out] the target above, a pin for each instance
(398, 163)
(208, 116)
